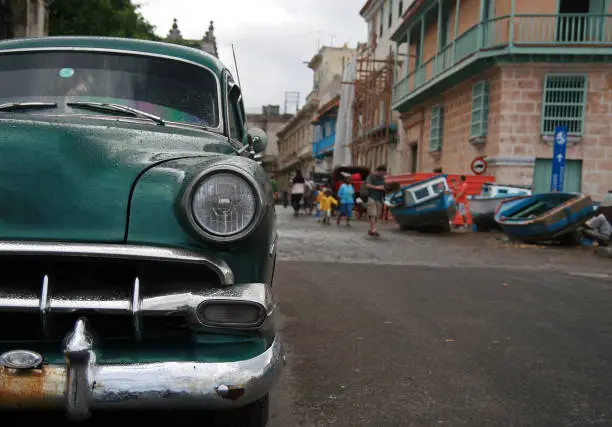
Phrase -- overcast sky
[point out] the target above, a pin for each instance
(272, 38)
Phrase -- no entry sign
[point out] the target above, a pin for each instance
(479, 165)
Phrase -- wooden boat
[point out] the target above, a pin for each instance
(424, 206)
(483, 206)
(544, 217)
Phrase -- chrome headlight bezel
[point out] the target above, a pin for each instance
(194, 185)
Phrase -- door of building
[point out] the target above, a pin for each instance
(488, 25)
(581, 21)
(414, 149)
(572, 182)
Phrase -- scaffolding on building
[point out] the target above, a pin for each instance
(292, 98)
(372, 114)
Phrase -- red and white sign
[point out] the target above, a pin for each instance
(479, 165)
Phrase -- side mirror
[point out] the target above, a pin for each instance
(258, 139)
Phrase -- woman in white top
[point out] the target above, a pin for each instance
(297, 191)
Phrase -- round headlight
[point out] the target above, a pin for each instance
(224, 204)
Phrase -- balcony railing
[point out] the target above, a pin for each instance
(324, 145)
(512, 33)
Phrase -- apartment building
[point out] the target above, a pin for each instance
(271, 121)
(374, 128)
(295, 145)
(327, 67)
(494, 78)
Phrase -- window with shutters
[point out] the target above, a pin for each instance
(480, 110)
(436, 128)
(564, 103)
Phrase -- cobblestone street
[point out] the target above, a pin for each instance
(302, 239)
(431, 330)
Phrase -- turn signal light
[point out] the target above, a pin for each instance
(21, 359)
(231, 314)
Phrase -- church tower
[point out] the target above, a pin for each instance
(209, 42)
(174, 34)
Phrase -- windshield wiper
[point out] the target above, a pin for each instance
(103, 107)
(12, 106)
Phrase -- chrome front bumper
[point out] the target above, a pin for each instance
(82, 385)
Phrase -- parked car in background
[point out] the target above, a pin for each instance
(137, 233)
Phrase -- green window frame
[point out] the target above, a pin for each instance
(564, 102)
(480, 110)
(436, 128)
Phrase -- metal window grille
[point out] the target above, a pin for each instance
(564, 103)
(480, 109)
(436, 128)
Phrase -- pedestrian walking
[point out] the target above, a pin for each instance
(318, 197)
(309, 196)
(346, 196)
(297, 192)
(462, 202)
(375, 187)
(274, 185)
(327, 201)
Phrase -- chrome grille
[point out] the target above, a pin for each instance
(42, 296)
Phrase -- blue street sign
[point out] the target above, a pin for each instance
(558, 160)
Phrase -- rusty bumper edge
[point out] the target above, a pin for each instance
(145, 386)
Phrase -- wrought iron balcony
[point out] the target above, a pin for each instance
(505, 35)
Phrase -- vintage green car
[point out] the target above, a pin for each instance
(137, 233)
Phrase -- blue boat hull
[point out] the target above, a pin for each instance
(433, 214)
(556, 224)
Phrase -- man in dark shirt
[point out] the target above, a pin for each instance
(375, 184)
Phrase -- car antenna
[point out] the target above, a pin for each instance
(236, 66)
(249, 145)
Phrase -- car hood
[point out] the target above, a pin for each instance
(71, 181)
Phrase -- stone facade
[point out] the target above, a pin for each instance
(327, 67)
(23, 18)
(271, 122)
(295, 145)
(514, 137)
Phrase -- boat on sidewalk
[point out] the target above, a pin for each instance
(483, 206)
(426, 205)
(544, 217)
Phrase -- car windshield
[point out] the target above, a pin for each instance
(173, 90)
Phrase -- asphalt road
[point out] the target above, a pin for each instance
(428, 330)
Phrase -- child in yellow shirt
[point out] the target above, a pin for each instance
(318, 199)
(326, 206)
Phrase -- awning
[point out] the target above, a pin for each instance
(326, 108)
